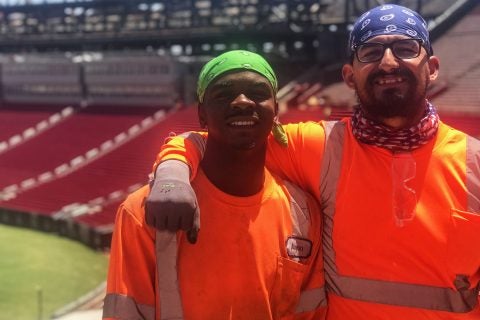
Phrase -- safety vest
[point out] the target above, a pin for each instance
(166, 251)
(462, 299)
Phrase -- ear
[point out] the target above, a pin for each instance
(433, 67)
(276, 108)
(202, 118)
(347, 73)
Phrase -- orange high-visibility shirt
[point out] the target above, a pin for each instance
(239, 268)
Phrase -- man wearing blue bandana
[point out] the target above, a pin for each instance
(399, 189)
(392, 64)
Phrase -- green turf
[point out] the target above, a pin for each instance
(31, 261)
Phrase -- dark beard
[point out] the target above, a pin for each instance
(393, 103)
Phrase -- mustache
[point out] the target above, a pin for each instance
(405, 73)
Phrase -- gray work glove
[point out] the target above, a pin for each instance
(172, 203)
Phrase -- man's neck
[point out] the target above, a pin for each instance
(236, 172)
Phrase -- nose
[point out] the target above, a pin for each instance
(388, 62)
(242, 102)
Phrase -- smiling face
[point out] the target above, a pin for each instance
(392, 87)
(239, 109)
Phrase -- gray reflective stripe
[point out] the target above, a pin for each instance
(123, 307)
(473, 174)
(405, 294)
(311, 299)
(197, 139)
(329, 176)
(298, 210)
(169, 291)
(379, 291)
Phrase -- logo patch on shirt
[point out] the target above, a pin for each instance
(298, 247)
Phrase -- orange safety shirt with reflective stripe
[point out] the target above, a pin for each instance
(243, 265)
(425, 266)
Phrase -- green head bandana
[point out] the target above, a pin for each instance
(234, 60)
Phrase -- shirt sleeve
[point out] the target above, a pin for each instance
(300, 162)
(131, 276)
(187, 147)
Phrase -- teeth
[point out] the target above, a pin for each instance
(390, 81)
(242, 123)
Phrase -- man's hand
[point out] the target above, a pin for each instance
(172, 203)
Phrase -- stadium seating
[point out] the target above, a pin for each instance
(15, 120)
(66, 141)
(109, 176)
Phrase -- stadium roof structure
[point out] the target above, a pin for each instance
(48, 25)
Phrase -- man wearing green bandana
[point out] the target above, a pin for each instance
(259, 253)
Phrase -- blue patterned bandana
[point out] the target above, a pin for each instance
(390, 19)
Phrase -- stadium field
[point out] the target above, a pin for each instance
(35, 264)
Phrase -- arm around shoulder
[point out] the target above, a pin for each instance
(300, 161)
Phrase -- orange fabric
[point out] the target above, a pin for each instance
(132, 269)
(128, 228)
(430, 250)
(239, 268)
(440, 243)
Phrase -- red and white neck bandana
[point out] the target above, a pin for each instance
(407, 139)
